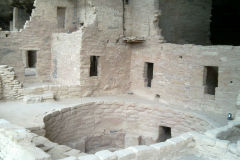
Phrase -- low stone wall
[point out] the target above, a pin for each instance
(59, 91)
(18, 143)
(11, 88)
(230, 133)
(15, 144)
(77, 126)
(215, 148)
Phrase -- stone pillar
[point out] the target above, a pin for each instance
(19, 18)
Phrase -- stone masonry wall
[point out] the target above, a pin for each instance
(100, 36)
(28, 146)
(11, 89)
(36, 35)
(178, 75)
(175, 21)
(66, 58)
(15, 144)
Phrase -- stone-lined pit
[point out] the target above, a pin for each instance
(97, 126)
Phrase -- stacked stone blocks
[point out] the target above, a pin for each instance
(11, 88)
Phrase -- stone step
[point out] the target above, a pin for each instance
(46, 97)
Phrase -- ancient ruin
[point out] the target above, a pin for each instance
(119, 80)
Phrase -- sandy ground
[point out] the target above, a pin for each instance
(31, 115)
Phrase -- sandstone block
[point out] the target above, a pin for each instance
(106, 155)
(131, 140)
(145, 152)
(88, 157)
(125, 154)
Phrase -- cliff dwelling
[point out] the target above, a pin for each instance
(119, 80)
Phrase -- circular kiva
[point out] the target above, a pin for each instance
(97, 126)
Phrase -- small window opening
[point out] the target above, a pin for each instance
(61, 14)
(157, 96)
(94, 66)
(126, 1)
(6, 35)
(31, 59)
(210, 79)
(164, 134)
(148, 74)
(140, 140)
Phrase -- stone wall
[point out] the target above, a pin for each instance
(66, 58)
(77, 126)
(15, 143)
(36, 35)
(98, 38)
(142, 18)
(230, 133)
(19, 18)
(11, 89)
(178, 21)
(178, 75)
(28, 146)
(102, 38)
(185, 21)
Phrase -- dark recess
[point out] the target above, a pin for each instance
(225, 24)
(148, 75)
(164, 133)
(32, 59)
(94, 66)
(211, 79)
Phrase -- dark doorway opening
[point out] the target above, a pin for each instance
(94, 66)
(61, 14)
(164, 134)
(210, 79)
(148, 74)
(32, 59)
(225, 22)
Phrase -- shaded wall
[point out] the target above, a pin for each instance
(185, 21)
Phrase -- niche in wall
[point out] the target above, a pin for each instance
(61, 14)
(31, 59)
(30, 62)
(148, 74)
(164, 133)
(210, 79)
(94, 65)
